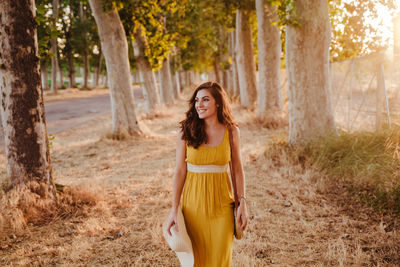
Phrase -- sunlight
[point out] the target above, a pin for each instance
(387, 20)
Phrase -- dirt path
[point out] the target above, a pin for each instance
(295, 221)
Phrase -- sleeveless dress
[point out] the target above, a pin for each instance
(207, 206)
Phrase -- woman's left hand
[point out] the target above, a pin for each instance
(242, 214)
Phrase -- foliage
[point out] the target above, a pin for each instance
(46, 29)
(152, 17)
(195, 33)
(368, 163)
(206, 29)
(286, 12)
(354, 32)
(83, 30)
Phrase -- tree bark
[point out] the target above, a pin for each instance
(216, 71)
(269, 60)
(245, 60)
(307, 61)
(166, 88)
(23, 118)
(148, 76)
(85, 69)
(115, 49)
(61, 73)
(181, 81)
(54, 61)
(105, 81)
(235, 75)
(177, 84)
(174, 85)
(68, 45)
(45, 81)
(98, 69)
(225, 78)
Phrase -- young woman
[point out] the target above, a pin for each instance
(202, 159)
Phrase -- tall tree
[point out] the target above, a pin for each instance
(234, 67)
(150, 84)
(245, 60)
(45, 30)
(54, 48)
(269, 59)
(68, 49)
(115, 48)
(307, 64)
(26, 142)
(166, 86)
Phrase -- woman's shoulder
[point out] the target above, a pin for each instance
(180, 135)
(234, 129)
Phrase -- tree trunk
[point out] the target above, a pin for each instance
(225, 78)
(216, 71)
(23, 118)
(174, 85)
(307, 62)
(98, 69)
(60, 71)
(181, 82)
(166, 88)
(148, 76)
(85, 69)
(235, 75)
(269, 59)
(178, 84)
(45, 81)
(115, 49)
(229, 87)
(68, 45)
(54, 61)
(105, 81)
(245, 60)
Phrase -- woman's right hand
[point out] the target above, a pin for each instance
(172, 221)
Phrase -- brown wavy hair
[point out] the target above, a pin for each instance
(193, 128)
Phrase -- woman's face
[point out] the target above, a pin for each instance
(205, 104)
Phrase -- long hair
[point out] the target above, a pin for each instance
(193, 128)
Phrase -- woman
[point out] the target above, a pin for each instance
(202, 160)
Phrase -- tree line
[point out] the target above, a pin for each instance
(176, 39)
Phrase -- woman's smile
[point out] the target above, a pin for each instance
(205, 104)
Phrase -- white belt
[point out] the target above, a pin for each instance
(207, 168)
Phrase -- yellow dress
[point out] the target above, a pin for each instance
(207, 206)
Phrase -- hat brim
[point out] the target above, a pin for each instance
(185, 258)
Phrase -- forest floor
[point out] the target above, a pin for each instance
(296, 217)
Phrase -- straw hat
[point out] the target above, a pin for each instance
(180, 241)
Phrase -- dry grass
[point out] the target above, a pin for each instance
(296, 219)
(367, 163)
(23, 205)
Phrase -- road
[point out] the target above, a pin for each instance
(65, 114)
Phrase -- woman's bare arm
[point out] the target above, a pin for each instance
(240, 178)
(180, 171)
(237, 163)
(177, 182)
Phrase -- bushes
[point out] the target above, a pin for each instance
(368, 164)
